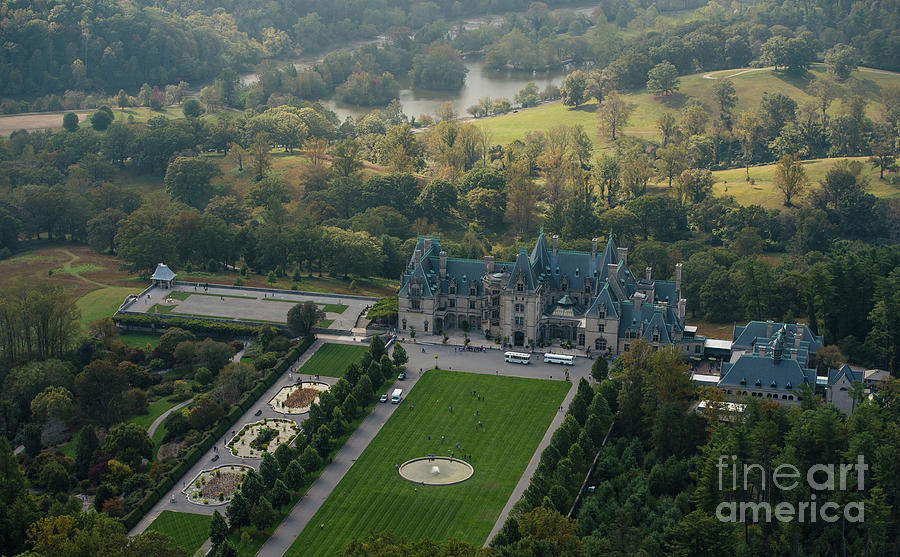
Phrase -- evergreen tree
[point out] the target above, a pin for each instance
(270, 470)
(238, 512)
(85, 445)
(280, 494)
(294, 475)
(218, 529)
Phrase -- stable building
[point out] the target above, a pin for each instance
(590, 301)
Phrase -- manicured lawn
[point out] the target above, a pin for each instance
(140, 340)
(332, 360)
(324, 323)
(372, 496)
(189, 530)
(155, 409)
(101, 303)
(334, 308)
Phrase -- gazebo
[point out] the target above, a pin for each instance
(163, 277)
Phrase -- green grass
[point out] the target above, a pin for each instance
(372, 496)
(763, 191)
(160, 308)
(334, 308)
(332, 359)
(324, 323)
(101, 303)
(186, 294)
(749, 86)
(154, 410)
(140, 340)
(189, 530)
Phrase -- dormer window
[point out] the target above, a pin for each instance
(473, 289)
(520, 287)
(601, 312)
(587, 286)
(656, 335)
(564, 284)
(453, 288)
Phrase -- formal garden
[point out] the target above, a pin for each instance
(255, 439)
(296, 399)
(216, 486)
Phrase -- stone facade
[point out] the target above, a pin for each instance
(590, 300)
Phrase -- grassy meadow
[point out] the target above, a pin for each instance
(750, 85)
(373, 496)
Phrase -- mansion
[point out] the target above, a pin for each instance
(590, 300)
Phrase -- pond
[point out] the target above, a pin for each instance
(480, 81)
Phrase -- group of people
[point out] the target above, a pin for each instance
(470, 348)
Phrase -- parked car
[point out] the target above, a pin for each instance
(402, 376)
(215, 458)
(383, 398)
(258, 412)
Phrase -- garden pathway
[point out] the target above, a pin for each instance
(158, 421)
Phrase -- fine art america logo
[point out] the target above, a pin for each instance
(785, 478)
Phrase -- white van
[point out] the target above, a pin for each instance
(396, 396)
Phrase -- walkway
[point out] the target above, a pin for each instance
(309, 504)
(156, 423)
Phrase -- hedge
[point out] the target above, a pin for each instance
(223, 328)
(193, 456)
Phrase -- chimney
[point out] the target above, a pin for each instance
(488, 264)
(649, 272)
(623, 255)
(798, 338)
(638, 300)
(770, 325)
(678, 278)
(427, 243)
(443, 256)
(555, 244)
(682, 304)
(416, 258)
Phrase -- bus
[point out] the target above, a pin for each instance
(396, 396)
(551, 358)
(518, 358)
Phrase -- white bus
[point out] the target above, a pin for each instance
(550, 358)
(518, 358)
(396, 396)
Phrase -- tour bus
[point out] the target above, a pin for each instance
(396, 396)
(551, 358)
(518, 358)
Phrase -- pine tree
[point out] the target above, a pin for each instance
(294, 475)
(270, 470)
(218, 529)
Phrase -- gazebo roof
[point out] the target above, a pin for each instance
(163, 272)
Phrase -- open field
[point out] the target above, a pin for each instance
(332, 359)
(372, 496)
(189, 530)
(33, 121)
(750, 87)
(763, 191)
(140, 340)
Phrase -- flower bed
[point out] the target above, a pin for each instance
(253, 440)
(216, 486)
(296, 399)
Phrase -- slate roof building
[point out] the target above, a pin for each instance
(589, 299)
(163, 276)
(838, 391)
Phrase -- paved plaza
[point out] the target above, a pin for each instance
(250, 304)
